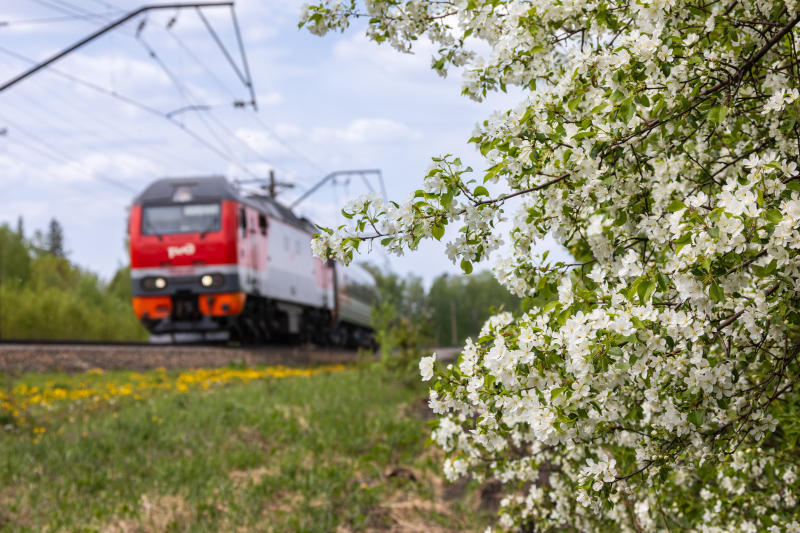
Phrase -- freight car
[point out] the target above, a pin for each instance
(211, 262)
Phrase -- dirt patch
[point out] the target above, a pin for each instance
(252, 437)
(10, 514)
(156, 514)
(422, 502)
(408, 513)
(283, 502)
(296, 413)
(403, 472)
(253, 476)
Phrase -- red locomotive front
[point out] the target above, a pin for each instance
(183, 240)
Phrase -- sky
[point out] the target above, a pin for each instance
(73, 151)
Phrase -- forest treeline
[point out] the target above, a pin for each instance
(44, 296)
(409, 318)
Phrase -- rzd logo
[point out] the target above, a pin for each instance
(186, 249)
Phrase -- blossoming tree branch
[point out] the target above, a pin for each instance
(652, 384)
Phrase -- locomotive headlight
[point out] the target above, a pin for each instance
(212, 280)
(153, 284)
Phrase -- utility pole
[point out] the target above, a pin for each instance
(269, 187)
(272, 192)
(453, 324)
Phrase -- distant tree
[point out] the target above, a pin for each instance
(15, 261)
(55, 239)
(466, 302)
(20, 227)
(400, 318)
(120, 284)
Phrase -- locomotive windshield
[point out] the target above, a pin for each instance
(189, 218)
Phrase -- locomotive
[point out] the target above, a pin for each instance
(211, 262)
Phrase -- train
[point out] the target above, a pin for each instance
(212, 262)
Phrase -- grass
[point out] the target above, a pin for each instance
(329, 450)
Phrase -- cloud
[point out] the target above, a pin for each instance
(367, 131)
(364, 53)
(28, 209)
(13, 168)
(261, 142)
(106, 169)
(269, 99)
(133, 72)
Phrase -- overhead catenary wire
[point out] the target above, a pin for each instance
(221, 146)
(205, 67)
(58, 155)
(224, 86)
(303, 157)
(144, 107)
(246, 78)
(78, 186)
(75, 12)
(182, 91)
(42, 109)
(189, 96)
(106, 4)
(53, 20)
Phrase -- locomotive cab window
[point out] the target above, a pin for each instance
(189, 218)
(243, 220)
(262, 224)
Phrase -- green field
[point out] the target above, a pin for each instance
(228, 450)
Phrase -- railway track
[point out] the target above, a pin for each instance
(79, 356)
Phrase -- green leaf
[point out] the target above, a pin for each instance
(446, 199)
(771, 267)
(685, 239)
(717, 113)
(614, 351)
(774, 216)
(480, 190)
(438, 231)
(573, 104)
(555, 392)
(633, 289)
(676, 205)
(584, 134)
(494, 171)
(716, 292)
(550, 306)
(645, 290)
(696, 417)
(466, 266)
(626, 110)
